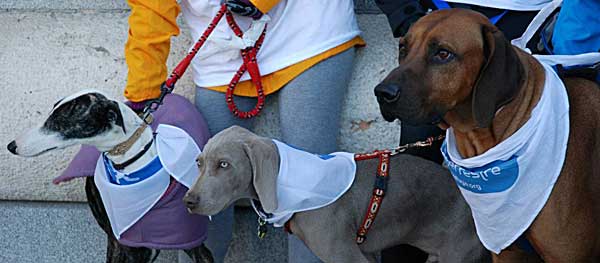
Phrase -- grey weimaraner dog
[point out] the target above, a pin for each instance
(421, 208)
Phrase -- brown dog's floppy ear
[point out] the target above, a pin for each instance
(264, 159)
(499, 79)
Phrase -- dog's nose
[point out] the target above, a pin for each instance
(190, 200)
(387, 91)
(12, 147)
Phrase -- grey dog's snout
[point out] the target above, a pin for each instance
(190, 200)
(12, 147)
(387, 91)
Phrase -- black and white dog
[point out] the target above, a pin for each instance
(90, 117)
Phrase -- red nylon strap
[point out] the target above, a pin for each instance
(185, 62)
(378, 192)
(249, 63)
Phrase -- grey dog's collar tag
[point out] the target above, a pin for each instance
(262, 228)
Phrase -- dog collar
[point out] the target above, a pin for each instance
(261, 230)
(121, 166)
(123, 147)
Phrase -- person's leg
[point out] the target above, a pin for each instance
(213, 107)
(310, 107)
(218, 117)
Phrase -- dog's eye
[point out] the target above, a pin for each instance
(198, 162)
(223, 164)
(443, 56)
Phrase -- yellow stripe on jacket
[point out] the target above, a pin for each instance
(276, 80)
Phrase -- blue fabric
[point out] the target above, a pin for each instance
(441, 4)
(577, 29)
(140, 175)
(495, 19)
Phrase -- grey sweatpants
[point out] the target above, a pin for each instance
(309, 116)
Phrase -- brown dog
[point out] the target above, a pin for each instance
(457, 70)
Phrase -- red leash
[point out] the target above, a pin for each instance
(381, 179)
(249, 64)
(378, 191)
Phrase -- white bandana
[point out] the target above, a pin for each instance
(307, 181)
(126, 204)
(508, 185)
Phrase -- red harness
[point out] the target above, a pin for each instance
(250, 65)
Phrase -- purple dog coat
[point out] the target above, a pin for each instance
(167, 225)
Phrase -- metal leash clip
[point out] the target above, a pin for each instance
(426, 143)
(152, 105)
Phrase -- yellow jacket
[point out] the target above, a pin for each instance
(151, 26)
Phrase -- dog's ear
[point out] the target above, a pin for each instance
(499, 79)
(114, 115)
(264, 160)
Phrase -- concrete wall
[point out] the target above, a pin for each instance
(50, 49)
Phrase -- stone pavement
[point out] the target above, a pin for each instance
(63, 232)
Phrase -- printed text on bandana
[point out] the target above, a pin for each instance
(491, 178)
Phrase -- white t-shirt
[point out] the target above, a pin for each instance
(298, 30)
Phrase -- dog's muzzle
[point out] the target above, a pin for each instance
(12, 147)
(387, 92)
(387, 95)
(191, 201)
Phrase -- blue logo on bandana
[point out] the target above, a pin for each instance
(322, 156)
(491, 178)
(326, 156)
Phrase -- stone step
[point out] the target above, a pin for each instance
(361, 6)
(51, 232)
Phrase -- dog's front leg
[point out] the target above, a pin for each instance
(341, 251)
(331, 241)
(117, 253)
(200, 254)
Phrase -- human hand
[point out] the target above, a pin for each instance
(137, 107)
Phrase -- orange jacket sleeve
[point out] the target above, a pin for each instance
(152, 23)
(264, 5)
